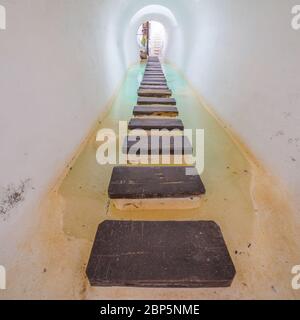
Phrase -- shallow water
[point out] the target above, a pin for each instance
(256, 220)
(226, 176)
(229, 178)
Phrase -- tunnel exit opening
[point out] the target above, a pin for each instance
(152, 39)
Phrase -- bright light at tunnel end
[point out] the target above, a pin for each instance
(113, 148)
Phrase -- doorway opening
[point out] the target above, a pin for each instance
(152, 39)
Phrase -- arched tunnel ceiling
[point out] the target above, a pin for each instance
(176, 16)
(154, 12)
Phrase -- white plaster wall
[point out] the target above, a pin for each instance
(59, 65)
(244, 60)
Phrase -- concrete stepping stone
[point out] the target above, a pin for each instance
(151, 73)
(155, 124)
(160, 254)
(151, 100)
(154, 87)
(155, 188)
(154, 75)
(156, 81)
(152, 79)
(153, 58)
(158, 145)
(154, 69)
(153, 83)
(162, 111)
(157, 66)
(162, 80)
(154, 62)
(159, 93)
(155, 78)
(153, 65)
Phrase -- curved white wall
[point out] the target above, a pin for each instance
(60, 63)
(147, 13)
(244, 59)
(62, 60)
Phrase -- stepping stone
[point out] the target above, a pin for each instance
(154, 93)
(158, 124)
(160, 254)
(154, 77)
(151, 73)
(162, 111)
(154, 80)
(153, 58)
(154, 87)
(144, 183)
(150, 100)
(153, 83)
(173, 145)
(153, 64)
(154, 69)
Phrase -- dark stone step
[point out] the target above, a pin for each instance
(154, 69)
(153, 59)
(154, 183)
(153, 65)
(155, 111)
(159, 93)
(154, 87)
(157, 145)
(160, 254)
(147, 78)
(153, 83)
(153, 73)
(154, 80)
(161, 75)
(158, 124)
(150, 101)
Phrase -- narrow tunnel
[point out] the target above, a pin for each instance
(71, 68)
